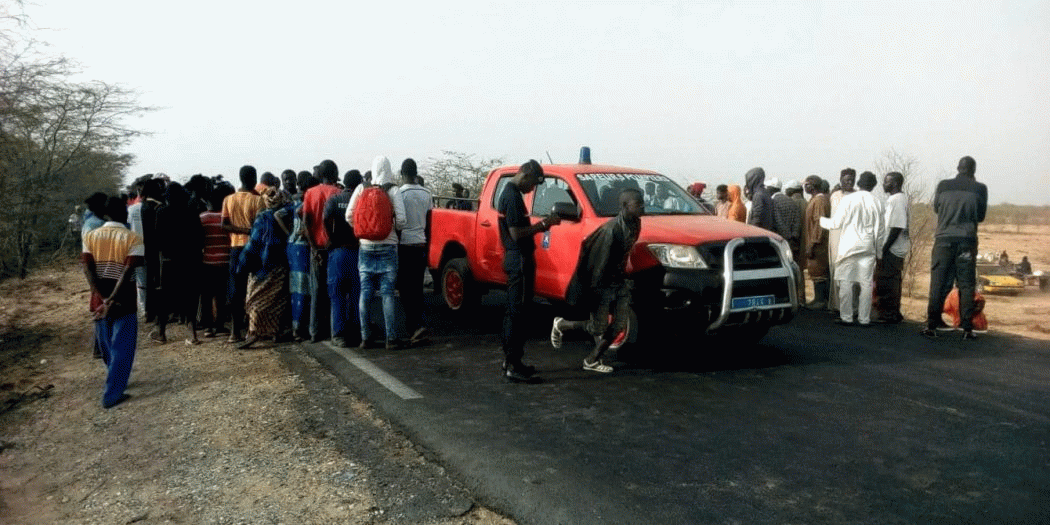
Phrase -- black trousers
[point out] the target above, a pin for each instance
(411, 263)
(952, 263)
(521, 274)
(888, 275)
(212, 311)
(320, 303)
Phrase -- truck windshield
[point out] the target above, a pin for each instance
(661, 195)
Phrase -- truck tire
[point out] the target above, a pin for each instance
(457, 286)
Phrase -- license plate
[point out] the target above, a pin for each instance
(744, 303)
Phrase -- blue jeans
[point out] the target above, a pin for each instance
(344, 287)
(378, 262)
(140, 287)
(237, 292)
(118, 337)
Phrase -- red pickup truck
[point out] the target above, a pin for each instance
(703, 273)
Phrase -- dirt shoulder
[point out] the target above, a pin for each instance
(1024, 314)
(211, 435)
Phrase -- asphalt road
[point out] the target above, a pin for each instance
(818, 423)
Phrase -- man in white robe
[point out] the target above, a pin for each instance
(859, 218)
(847, 180)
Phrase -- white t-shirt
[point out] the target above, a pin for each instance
(417, 203)
(897, 217)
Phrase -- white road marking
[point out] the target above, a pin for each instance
(392, 384)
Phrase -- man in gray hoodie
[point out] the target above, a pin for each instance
(761, 203)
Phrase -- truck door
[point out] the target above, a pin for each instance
(488, 247)
(557, 249)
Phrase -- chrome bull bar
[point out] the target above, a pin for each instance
(773, 312)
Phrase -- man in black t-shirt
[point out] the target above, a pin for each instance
(516, 233)
(344, 281)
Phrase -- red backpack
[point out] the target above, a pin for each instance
(373, 214)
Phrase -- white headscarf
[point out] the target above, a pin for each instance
(381, 172)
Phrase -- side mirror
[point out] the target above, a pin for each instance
(566, 211)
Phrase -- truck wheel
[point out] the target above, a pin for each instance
(457, 286)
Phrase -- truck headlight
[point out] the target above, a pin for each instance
(677, 256)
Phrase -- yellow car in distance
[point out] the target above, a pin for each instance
(994, 279)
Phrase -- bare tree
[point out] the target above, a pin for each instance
(455, 167)
(57, 137)
(922, 221)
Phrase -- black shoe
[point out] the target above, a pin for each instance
(968, 335)
(928, 332)
(368, 344)
(888, 320)
(395, 344)
(521, 368)
(121, 399)
(515, 375)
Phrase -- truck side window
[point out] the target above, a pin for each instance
(500, 186)
(553, 190)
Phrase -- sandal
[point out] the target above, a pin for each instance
(597, 366)
(157, 338)
(556, 333)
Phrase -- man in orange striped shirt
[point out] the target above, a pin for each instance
(111, 252)
(238, 214)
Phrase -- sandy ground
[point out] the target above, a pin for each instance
(217, 435)
(1027, 314)
(211, 434)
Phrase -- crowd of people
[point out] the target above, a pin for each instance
(852, 245)
(301, 256)
(277, 258)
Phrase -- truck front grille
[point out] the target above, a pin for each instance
(755, 254)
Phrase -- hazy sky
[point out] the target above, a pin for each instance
(698, 91)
